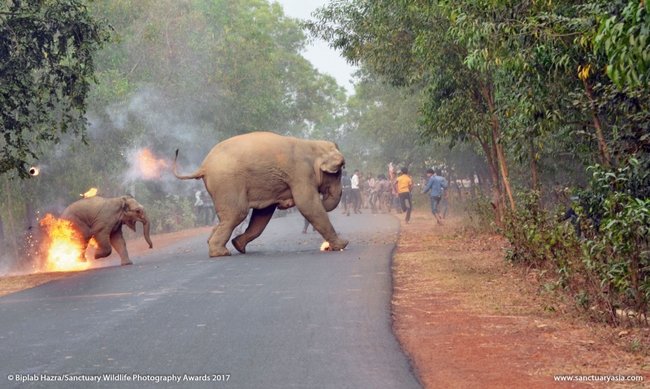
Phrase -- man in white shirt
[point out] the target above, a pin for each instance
(356, 193)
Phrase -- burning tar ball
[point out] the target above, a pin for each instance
(34, 171)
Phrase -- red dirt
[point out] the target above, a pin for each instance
(467, 319)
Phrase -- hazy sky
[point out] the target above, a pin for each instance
(323, 58)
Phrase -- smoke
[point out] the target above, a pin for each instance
(158, 115)
(155, 125)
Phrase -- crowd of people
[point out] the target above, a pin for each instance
(383, 193)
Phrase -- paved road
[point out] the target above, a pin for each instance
(282, 316)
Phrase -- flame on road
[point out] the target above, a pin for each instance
(325, 246)
(63, 248)
(148, 166)
(92, 192)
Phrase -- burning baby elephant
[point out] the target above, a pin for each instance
(265, 171)
(102, 218)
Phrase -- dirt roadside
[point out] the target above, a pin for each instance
(468, 319)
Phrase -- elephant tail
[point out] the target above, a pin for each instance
(196, 175)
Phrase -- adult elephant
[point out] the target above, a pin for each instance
(102, 218)
(265, 171)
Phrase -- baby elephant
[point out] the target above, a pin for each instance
(103, 218)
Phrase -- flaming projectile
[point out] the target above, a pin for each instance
(92, 192)
(148, 166)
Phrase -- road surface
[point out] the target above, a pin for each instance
(284, 315)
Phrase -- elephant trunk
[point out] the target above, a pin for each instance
(331, 201)
(146, 226)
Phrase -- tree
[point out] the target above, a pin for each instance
(624, 36)
(382, 126)
(413, 44)
(47, 66)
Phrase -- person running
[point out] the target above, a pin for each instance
(404, 185)
(356, 192)
(346, 197)
(372, 188)
(436, 186)
(381, 186)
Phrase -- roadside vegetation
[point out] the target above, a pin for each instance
(553, 100)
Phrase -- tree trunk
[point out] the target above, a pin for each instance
(496, 138)
(2, 232)
(603, 150)
(534, 180)
(480, 185)
(452, 180)
(503, 166)
(11, 239)
(496, 197)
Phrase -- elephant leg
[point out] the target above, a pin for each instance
(103, 246)
(84, 247)
(311, 207)
(221, 232)
(84, 239)
(119, 244)
(259, 220)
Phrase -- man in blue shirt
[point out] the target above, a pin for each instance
(436, 185)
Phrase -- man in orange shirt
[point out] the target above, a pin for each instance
(404, 184)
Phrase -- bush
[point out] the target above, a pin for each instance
(171, 213)
(480, 213)
(616, 246)
(602, 258)
(544, 240)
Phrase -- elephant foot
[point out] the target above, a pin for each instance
(239, 244)
(218, 252)
(338, 244)
(126, 263)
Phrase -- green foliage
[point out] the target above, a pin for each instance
(624, 36)
(607, 267)
(618, 248)
(171, 213)
(536, 237)
(175, 74)
(632, 179)
(232, 65)
(480, 213)
(382, 126)
(47, 66)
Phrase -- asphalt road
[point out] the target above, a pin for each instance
(284, 315)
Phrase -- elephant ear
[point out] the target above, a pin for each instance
(130, 222)
(332, 162)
